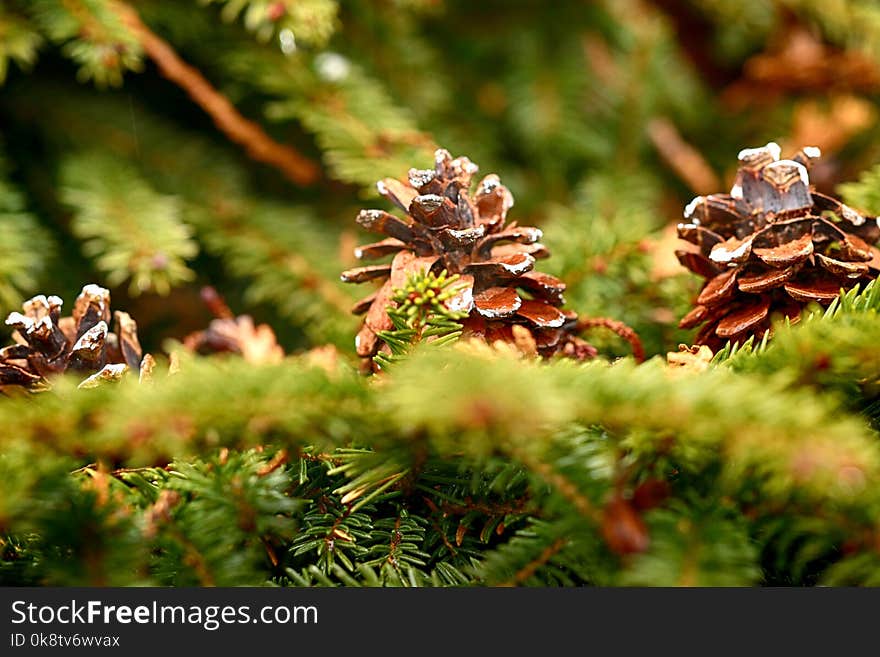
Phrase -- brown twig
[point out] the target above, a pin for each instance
(436, 526)
(559, 481)
(620, 329)
(277, 461)
(486, 508)
(396, 538)
(530, 568)
(684, 159)
(259, 145)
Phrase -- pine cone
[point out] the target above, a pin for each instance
(448, 228)
(236, 335)
(770, 247)
(48, 344)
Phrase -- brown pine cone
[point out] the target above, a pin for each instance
(235, 335)
(448, 228)
(48, 344)
(770, 247)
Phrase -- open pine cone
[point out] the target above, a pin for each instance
(227, 333)
(448, 228)
(770, 247)
(48, 344)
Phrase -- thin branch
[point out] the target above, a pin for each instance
(530, 568)
(559, 481)
(620, 329)
(684, 159)
(493, 509)
(259, 145)
(277, 461)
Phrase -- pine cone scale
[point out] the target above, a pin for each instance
(379, 249)
(842, 267)
(129, 346)
(368, 273)
(397, 192)
(497, 302)
(743, 319)
(719, 289)
(379, 221)
(15, 375)
(376, 320)
(763, 281)
(823, 291)
(541, 314)
(787, 254)
(694, 317)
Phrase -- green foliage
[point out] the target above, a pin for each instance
(19, 42)
(865, 193)
(420, 313)
(832, 351)
(309, 21)
(474, 473)
(27, 249)
(363, 135)
(92, 34)
(227, 511)
(598, 248)
(704, 546)
(132, 232)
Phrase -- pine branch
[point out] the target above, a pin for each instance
(130, 230)
(703, 546)
(312, 21)
(363, 134)
(248, 134)
(283, 254)
(532, 567)
(829, 350)
(92, 35)
(27, 249)
(419, 313)
(19, 43)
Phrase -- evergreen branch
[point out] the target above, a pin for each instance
(27, 248)
(600, 248)
(19, 43)
(420, 312)
(532, 567)
(259, 240)
(830, 350)
(567, 488)
(705, 414)
(248, 134)
(311, 21)
(701, 544)
(92, 35)
(363, 134)
(265, 247)
(132, 231)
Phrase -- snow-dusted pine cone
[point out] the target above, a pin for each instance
(447, 227)
(48, 344)
(770, 247)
